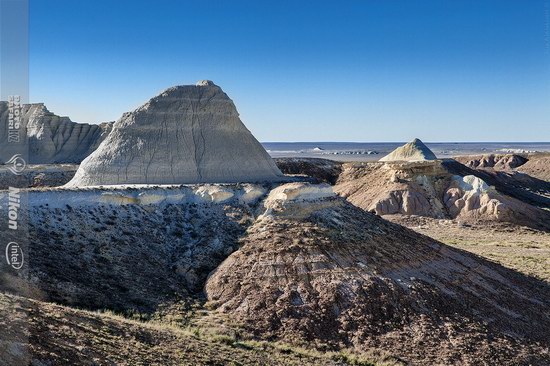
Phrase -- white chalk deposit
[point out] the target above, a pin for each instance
(186, 134)
(60, 197)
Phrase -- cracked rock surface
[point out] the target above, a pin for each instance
(186, 134)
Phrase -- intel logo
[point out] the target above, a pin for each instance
(14, 255)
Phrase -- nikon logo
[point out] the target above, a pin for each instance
(14, 204)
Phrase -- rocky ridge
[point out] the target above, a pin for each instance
(51, 138)
(291, 262)
(493, 161)
(442, 189)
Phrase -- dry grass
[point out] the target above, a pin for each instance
(60, 335)
(212, 329)
(519, 248)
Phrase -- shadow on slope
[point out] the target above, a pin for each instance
(128, 258)
(521, 186)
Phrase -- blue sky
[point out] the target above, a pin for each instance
(307, 70)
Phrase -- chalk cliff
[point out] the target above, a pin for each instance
(186, 134)
(51, 138)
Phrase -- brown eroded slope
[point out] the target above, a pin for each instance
(446, 189)
(538, 166)
(514, 246)
(518, 247)
(314, 268)
(492, 161)
(39, 333)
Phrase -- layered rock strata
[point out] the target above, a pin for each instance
(186, 134)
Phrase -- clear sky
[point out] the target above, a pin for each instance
(468, 70)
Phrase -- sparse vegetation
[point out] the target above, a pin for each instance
(342, 282)
(67, 336)
(523, 249)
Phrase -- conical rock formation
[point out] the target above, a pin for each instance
(186, 134)
(412, 151)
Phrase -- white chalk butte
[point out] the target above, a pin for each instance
(51, 139)
(186, 134)
(413, 151)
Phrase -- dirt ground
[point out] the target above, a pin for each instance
(520, 248)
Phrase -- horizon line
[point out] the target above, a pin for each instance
(399, 142)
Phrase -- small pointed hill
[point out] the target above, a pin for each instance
(316, 270)
(186, 134)
(412, 151)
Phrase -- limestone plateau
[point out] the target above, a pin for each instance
(413, 151)
(51, 138)
(186, 134)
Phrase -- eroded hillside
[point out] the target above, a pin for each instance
(445, 189)
(315, 268)
(292, 263)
